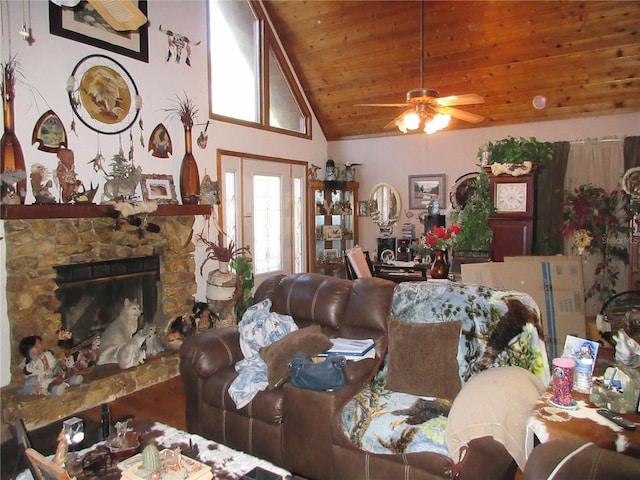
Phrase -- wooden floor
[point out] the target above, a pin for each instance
(163, 403)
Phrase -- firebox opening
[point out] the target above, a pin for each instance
(92, 294)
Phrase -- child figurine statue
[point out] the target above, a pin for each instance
(43, 372)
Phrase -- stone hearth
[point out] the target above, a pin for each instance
(33, 248)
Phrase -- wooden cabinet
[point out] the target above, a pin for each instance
(512, 237)
(512, 224)
(333, 227)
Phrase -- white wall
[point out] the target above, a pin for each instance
(47, 64)
(393, 159)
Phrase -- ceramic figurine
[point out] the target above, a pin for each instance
(66, 174)
(39, 185)
(43, 372)
(119, 332)
(122, 188)
(62, 450)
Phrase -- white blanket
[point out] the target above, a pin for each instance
(258, 328)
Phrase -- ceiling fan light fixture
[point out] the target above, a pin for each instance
(438, 122)
(411, 121)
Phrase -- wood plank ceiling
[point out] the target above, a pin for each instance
(584, 57)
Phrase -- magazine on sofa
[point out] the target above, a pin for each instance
(350, 347)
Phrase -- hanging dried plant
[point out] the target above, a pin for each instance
(185, 109)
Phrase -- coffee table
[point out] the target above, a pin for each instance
(582, 423)
(225, 462)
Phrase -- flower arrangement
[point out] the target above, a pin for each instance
(597, 222)
(440, 238)
(184, 109)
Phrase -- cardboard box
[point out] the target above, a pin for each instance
(555, 283)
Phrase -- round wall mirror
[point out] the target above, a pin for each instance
(385, 206)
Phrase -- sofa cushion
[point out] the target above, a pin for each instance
(309, 340)
(422, 358)
(507, 396)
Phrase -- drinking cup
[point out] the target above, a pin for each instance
(563, 370)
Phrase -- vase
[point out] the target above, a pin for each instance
(11, 156)
(440, 266)
(189, 176)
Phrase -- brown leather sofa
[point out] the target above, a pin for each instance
(300, 429)
(579, 461)
(287, 426)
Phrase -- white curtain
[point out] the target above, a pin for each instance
(601, 163)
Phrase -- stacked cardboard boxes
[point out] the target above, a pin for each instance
(555, 283)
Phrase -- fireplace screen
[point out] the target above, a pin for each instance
(93, 294)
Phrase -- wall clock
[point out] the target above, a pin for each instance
(103, 95)
(511, 197)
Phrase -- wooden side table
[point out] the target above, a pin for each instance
(583, 424)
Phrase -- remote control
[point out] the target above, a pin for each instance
(617, 419)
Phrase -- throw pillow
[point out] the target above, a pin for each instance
(309, 340)
(422, 358)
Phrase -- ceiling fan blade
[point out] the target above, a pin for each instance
(381, 105)
(462, 115)
(467, 99)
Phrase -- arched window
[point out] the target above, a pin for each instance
(250, 80)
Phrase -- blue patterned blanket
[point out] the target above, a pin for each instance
(258, 328)
(381, 421)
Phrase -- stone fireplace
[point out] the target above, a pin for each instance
(37, 248)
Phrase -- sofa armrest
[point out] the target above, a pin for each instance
(310, 414)
(210, 351)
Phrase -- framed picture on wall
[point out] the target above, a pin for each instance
(424, 189)
(363, 209)
(84, 24)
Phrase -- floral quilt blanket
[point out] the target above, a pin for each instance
(382, 421)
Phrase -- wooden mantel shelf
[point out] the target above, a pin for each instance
(89, 210)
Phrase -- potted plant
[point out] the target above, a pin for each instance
(243, 267)
(597, 222)
(224, 288)
(223, 254)
(515, 151)
(474, 239)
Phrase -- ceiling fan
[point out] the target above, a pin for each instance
(428, 110)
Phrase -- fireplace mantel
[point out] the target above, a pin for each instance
(89, 210)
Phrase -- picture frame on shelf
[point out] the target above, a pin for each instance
(332, 232)
(158, 188)
(330, 255)
(70, 23)
(424, 189)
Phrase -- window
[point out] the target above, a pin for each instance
(250, 81)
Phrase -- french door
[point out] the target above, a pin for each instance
(263, 208)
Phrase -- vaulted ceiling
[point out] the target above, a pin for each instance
(584, 57)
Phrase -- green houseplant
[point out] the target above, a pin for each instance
(475, 235)
(515, 151)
